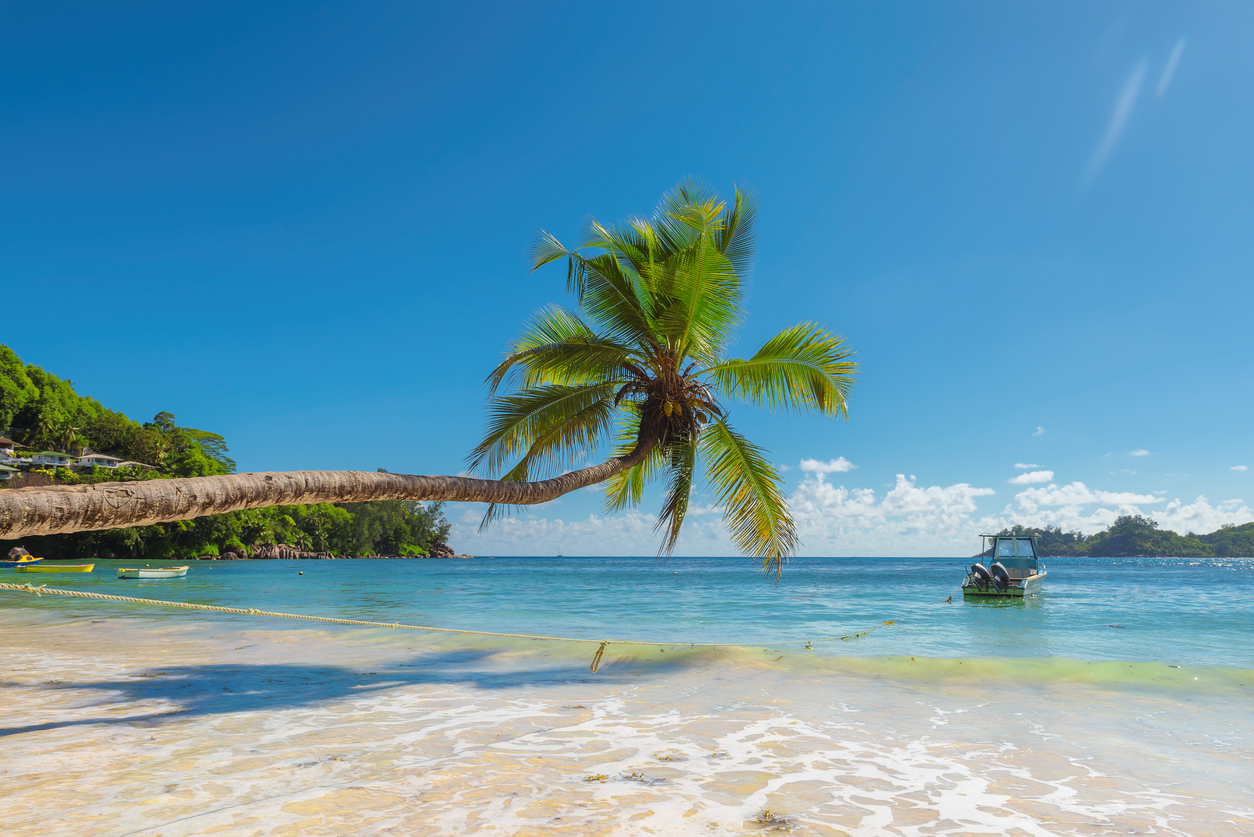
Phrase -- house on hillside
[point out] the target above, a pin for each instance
(7, 448)
(91, 460)
(7, 472)
(51, 458)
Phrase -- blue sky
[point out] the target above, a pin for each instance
(305, 227)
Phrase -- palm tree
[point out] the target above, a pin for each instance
(645, 358)
(67, 436)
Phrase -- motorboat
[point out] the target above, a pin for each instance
(1014, 572)
(152, 572)
(20, 561)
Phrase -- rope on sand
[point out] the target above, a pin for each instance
(44, 589)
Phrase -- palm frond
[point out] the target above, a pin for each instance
(560, 444)
(735, 238)
(749, 489)
(557, 347)
(611, 297)
(625, 489)
(545, 426)
(687, 213)
(801, 368)
(702, 309)
(682, 459)
(546, 248)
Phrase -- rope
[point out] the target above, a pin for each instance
(44, 589)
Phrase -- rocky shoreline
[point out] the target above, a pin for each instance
(283, 552)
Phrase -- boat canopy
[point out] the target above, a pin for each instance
(1013, 551)
(1015, 548)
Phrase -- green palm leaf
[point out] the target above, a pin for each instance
(683, 456)
(801, 368)
(546, 426)
(748, 487)
(559, 348)
(625, 489)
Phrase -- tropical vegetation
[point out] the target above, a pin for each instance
(47, 413)
(642, 364)
(1135, 535)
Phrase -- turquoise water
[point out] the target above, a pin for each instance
(1060, 715)
(1174, 611)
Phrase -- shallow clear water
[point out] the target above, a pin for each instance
(1134, 609)
(1036, 717)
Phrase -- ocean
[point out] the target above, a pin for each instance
(1117, 702)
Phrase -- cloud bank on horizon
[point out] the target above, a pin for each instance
(833, 519)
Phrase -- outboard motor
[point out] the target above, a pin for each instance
(1001, 578)
(982, 576)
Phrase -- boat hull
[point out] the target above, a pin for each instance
(152, 572)
(57, 568)
(27, 563)
(1027, 587)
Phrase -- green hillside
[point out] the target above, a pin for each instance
(1134, 535)
(42, 412)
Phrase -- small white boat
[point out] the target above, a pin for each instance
(152, 572)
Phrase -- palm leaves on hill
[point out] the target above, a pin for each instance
(644, 361)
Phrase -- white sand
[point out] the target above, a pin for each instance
(132, 726)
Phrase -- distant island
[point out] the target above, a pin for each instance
(51, 435)
(1137, 536)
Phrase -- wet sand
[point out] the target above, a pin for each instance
(137, 726)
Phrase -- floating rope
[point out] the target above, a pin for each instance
(44, 589)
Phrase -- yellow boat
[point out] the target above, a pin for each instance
(56, 568)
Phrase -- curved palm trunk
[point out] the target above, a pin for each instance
(114, 505)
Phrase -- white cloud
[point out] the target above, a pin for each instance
(909, 520)
(628, 533)
(1071, 508)
(1200, 516)
(1139, 452)
(1118, 120)
(1238, 468)
(1169, 71)
(815, 466)
(1078, 494)
(1022, 467)
(1040, 431)
(1032, 477)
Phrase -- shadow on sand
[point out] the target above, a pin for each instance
(229, 688)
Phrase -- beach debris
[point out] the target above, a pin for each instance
(596, 661)
(775, 820)
(596, 777)
(575, 706)
(1169, 665)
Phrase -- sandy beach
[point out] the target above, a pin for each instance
(132, 726)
